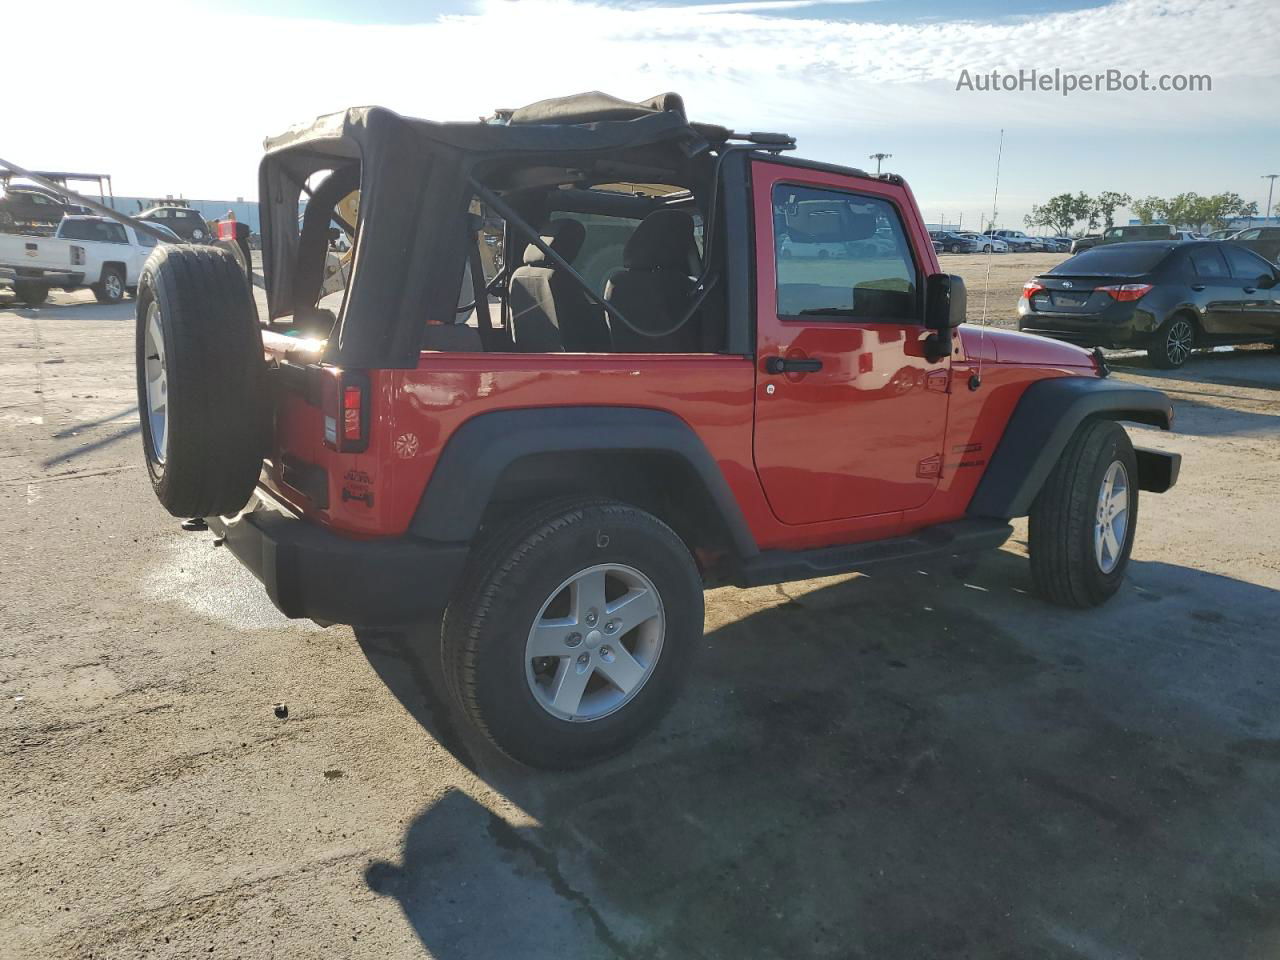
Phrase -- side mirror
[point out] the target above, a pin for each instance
(944, 301)
(1267, 281)
(944, 310)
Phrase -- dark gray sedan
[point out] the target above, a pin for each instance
(1164, 297)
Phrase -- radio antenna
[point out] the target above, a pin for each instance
(975, 381)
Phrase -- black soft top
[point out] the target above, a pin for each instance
(585, 121)
(412, 175)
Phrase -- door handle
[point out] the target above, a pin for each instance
(1250, 289)
(1197, 287)
(785, 365)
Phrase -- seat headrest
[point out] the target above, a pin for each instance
(565, 237)
(664, 239)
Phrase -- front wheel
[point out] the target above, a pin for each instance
(570, 634)
(1173, 344)
(1083, 521)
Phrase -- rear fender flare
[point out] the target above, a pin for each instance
(1048, 413)
(481, 449)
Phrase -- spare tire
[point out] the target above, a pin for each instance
(201, 381)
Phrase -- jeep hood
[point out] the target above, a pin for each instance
(998, 345)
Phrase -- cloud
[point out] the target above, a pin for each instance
(834, 83)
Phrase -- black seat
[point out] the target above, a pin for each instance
(654, 287)
(549, 311)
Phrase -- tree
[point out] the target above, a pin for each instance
(1149, 209)
(1060, 213)
(1105, 205)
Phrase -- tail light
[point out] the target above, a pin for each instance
(1030, 289)
(77, 256)
(1126, 292)
(345, 404)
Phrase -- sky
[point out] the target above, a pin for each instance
(847, 77)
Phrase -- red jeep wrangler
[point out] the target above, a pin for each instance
(704, 362)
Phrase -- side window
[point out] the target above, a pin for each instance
(1207, 261)
(1250, 235)
(113, 233)
(161, 214)
(182, 214)
(74, 230)
(145, 240)
(841, 255)
(1244, 264)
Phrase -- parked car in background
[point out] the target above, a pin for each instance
(86, 251)
(1053, 244)
(32, 206)
(1264, 241)
(987, 244)
(1081, 244)
(184, 221)
(1016, 240)
(954, 242)
(1222, 234)
(1189, 235)
(1138, 232)
(1164, 297)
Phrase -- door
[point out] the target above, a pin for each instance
(1215, 292)
(1259, 304)
(853, 425)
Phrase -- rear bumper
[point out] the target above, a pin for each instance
(1084, 330)
(311, 572)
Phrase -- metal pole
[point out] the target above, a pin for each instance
(1270, 188)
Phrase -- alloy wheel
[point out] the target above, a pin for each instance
(157, 380)
(1179, 341)
(595, 642)
(1111, 520)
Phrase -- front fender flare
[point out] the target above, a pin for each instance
(1048, 413)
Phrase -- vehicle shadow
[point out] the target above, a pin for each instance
(937, 768)
(1244, 367)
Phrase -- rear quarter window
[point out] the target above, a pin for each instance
(1113, 261)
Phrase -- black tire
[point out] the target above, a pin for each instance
(1064, 563)
(215, 408)
(1170, 348)
(514, 572)
(32, 294)
(110, 289)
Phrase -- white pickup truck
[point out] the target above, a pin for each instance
(86, 251)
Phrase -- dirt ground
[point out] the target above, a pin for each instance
(941, 767)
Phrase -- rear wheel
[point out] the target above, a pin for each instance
(1083, 521)
(571, 634)
(110, 289)
(1173, 343)
(32, 294)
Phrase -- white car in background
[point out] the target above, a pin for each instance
(987, 244)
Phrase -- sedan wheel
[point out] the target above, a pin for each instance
(1174, 348)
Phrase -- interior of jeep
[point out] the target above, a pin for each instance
(575, 261)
